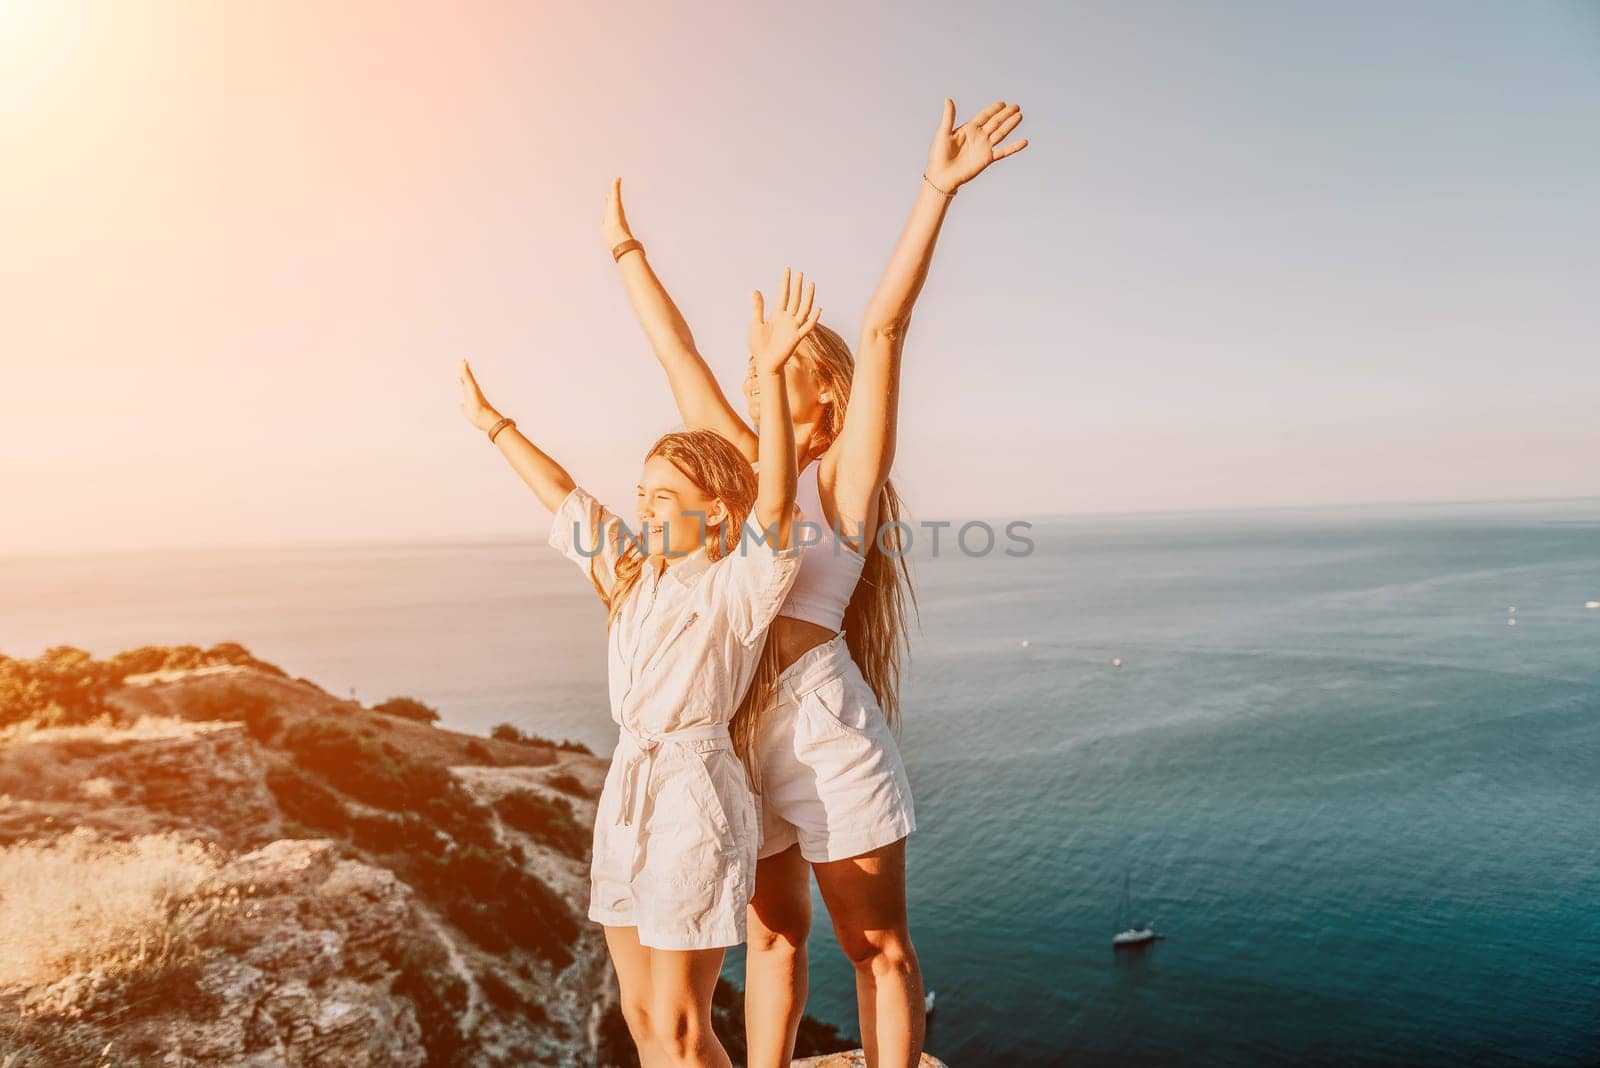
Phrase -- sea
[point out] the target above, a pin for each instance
(1345, 760)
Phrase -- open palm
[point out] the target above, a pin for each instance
(961, 153)
(773, 337)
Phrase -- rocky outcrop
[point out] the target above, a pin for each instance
(295, 971)
(211, 782)
(314, 942)
(206, 779)
(376, 891)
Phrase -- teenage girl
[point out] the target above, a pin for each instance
(689, 598)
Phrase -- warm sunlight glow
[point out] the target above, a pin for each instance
(36, 37)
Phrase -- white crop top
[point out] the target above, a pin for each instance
(829, 568)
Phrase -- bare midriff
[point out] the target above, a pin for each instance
(794, 637)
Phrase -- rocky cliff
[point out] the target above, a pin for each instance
(215, 864)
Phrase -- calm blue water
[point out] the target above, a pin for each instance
(1362, 808)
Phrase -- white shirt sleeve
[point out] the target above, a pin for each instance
(590, 535)
(754, 582)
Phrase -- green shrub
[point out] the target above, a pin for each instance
(63, 686)
(365, 768)
(501, 994)
(236, 704)
(304, 799)
(378, 773)
(440, 997)
(567, 783)
(507, 732)
(494, 901)
(548, 820)
(263, 727)
(396, 832)
(67, 685)
(407, 708)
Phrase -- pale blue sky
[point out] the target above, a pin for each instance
(1257, 254)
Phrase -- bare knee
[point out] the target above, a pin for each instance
(636, 1013)
(677, 1032)
(882, 953)
(780, 913)
(780, 932)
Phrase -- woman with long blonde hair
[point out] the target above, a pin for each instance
(820, 711)
(688, 602)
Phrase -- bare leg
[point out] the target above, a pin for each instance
(775, 959)
(632, 963)
(681, 985)
(866, 897)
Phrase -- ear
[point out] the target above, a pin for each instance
(716, 515)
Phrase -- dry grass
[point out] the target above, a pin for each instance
(28, 1044)
(82, 904)
(144, 729)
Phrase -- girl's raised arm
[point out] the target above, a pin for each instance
(867, 442)
(583, 530)
(701, 403)
(772, 342)
(548, 479)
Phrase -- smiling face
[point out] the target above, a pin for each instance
(807, 395)
(675, 516)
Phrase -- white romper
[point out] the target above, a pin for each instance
(677, 828)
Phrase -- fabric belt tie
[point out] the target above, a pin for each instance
(639, 758)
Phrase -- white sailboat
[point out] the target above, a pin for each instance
(1135, 934)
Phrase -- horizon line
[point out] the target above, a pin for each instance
(447, 540)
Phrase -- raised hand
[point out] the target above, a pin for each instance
(473, 403)
(614, 225)
(772, 341)
(961, 153)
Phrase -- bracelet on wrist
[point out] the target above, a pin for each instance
(622, 248)
(501, 425)
(935, 188)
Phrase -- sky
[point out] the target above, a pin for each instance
(1255, 255)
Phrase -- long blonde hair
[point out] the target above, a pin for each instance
(875, 622)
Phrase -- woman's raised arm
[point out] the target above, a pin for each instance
(772, 342)
(548, 479)
(867, 442)
(701, 403)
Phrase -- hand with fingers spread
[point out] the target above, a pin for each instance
(960, 153)
(773, 340)
(614, 224)
(474, 405)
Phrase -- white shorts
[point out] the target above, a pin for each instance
(831, 774)
(675, 837)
